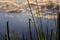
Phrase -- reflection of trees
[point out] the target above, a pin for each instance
(57, 7)
(9, 4)
(42, 7)
(51, 5)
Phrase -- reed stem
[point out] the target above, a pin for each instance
(14, 34)
(57, 32)
(5, 37)
(51, 34)
(58, 14)
(37, 8)
(33, 20)
(23, 36)
(30, 29)
(8, 32)
(47, 31)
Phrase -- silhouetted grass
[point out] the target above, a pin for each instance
(14, 34)
(6, 37)
(23, 36)
(40, 33)
(8, 30)
(33, 20)
(51, 36)
(47, 31)
(39, 30)
(57, 31)
(30, 30)
(38, 12)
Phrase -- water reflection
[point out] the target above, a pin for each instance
(19, 22)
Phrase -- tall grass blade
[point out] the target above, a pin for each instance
(8, 31)
(51, 36)
(5, 37)
(41, 30)
(38, 13)
(33, 20)
(57, 32)
(23, 36)
(14, 34)
(47, 30)
(58, 14)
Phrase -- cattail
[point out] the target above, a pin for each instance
(30, 29)
(30, 10)
(8, 32)
(31, 14)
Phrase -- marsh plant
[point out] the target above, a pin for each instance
(40, 35)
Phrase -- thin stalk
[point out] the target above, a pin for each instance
(39, 33)
(47, 31)
(38, 13)
(54, 35)
(30, 10)
(14, 34)
(54, 17)
(8, 32)
(33, 20)
(41, 30)
(57, 32)
(30, 30)
(37, 8)
(51, 34)
(40, 23)
(5, 37)
(42, 34)
(23, 36)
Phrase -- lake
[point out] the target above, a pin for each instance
(19, 22)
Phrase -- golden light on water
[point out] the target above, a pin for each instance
(34, 11)
(50, 16)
